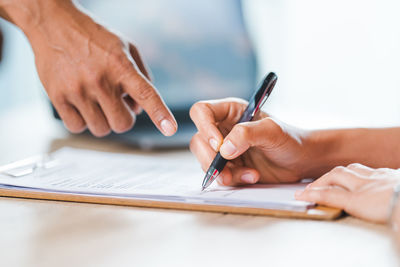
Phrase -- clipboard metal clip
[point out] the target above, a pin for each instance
(29, 166)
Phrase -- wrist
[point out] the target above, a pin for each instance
(330, 148)
(324, 150)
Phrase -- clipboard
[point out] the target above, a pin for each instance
(316, 213)
(27, 166)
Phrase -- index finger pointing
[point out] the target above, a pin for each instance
(203, 117)
(144, 93)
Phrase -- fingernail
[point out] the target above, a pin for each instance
(248, 178)
(228, 149)
(167, 127)
(298, 193)
(214, 144)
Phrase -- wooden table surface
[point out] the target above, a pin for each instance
(308, 46)
(49, 233)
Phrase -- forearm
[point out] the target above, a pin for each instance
(39, 17)
(25, 14)
(375, 148)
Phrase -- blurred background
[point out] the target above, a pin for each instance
(338, 62)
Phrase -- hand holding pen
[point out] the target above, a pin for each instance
(264, 150)
(255, 104)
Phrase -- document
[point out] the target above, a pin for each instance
(87, 172)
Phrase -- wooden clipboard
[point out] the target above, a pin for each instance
(316, 213)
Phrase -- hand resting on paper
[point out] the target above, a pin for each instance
(359, 190)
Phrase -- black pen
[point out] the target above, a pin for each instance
(255, 104)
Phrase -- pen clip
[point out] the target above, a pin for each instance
(268, 85)
(260, 105)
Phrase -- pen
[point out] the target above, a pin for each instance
(255, 103)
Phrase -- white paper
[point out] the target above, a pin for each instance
(89, 172)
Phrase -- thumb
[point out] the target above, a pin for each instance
(244, 135)
(139, 62)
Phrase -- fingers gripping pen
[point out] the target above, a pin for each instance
(255, 104)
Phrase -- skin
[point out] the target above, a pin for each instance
(269, 151)
(361, 191)
(94, 78)
(250, 146)
(357, 189)
(97, 80)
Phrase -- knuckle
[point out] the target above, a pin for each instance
(117, 57)
(75, 126)
(73, 123)
(125, 64)
(76, 129)
(101, 132)
(99, 127)
(59, 101)
(76, 92)
(100, 86)
(92, 77)
(354, 166)
(339, 169)
(123, 125)
(121, 62)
